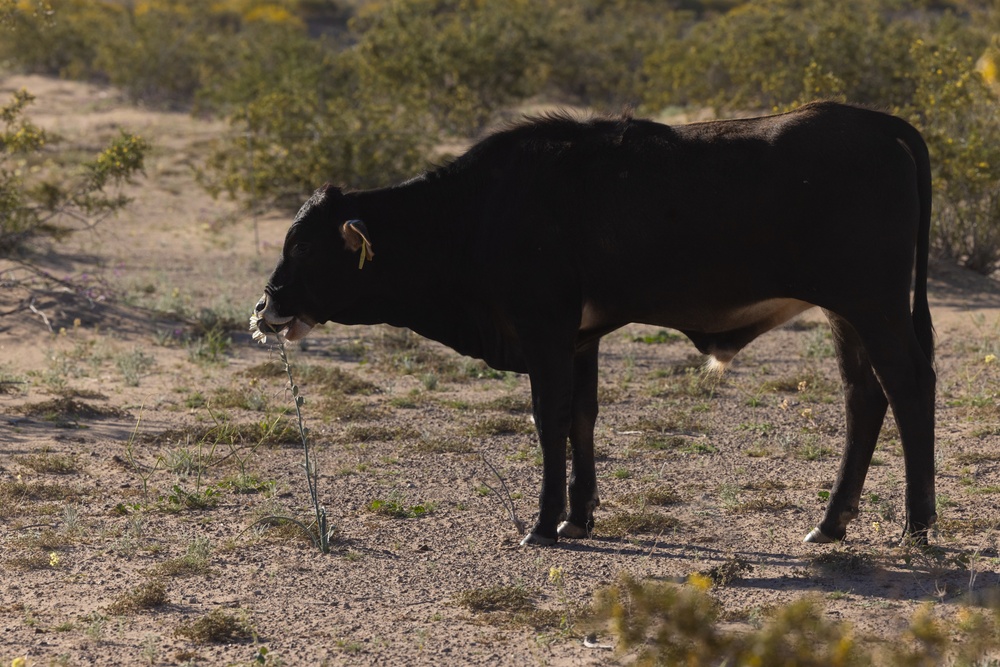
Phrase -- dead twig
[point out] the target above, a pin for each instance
(505, 499)
(45, 319)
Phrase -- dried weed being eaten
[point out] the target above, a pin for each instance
(319, 532)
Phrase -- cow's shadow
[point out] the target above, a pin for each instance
(913, 575)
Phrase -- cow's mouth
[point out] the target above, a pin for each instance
(296, 328)
(266, 321)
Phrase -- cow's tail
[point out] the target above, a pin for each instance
(917, 148)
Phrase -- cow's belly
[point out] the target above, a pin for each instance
(707, 318)
(723, 332)
(762, 315)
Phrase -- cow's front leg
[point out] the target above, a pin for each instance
(583, 498)
(551, 376)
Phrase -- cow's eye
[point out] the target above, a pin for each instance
(299, 249)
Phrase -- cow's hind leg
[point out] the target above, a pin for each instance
(866, 407)
(583, 498)
(909, 380)
(907, 377)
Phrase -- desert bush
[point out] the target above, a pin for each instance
(166, 51)
(39, 203)
(956, 108)
(366, 111)
(158, 51)
(462, 60)
(666, 624)
(283, 146)
(55, 37)
(765, 55)
(599, 46)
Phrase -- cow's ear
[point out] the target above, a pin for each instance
(356, 238)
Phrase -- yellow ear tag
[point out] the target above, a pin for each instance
(361, 259)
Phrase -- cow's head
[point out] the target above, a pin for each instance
(308, 285)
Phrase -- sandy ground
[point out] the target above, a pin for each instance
(125, 461)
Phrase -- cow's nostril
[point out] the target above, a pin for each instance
(261, 305)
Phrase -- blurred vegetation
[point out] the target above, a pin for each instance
(363, 93)
(39, 201)
(659, 623)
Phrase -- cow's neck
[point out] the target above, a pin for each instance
(421, 238)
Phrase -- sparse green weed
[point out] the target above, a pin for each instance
(658, 338)
(395, 507)
(217, 627)
(507, 599)
(133, 365)
(194, 562)
(149, 595)
(47, 462)
(644, 522)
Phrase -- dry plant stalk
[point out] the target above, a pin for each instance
(505, 499)
(321, 537)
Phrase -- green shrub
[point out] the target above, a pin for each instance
(666, 624)
(166, 51)
(45, 204)
(955, 107)
(461, 60)
(770, 54)
(158, 51)
(410, 73)
(56, 37)
(286, 145)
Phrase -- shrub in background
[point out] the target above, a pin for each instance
(55, 37)
(959, 114)
(160, 52)
(758, 55)
(39, 202)
(285, 145)
(462, 60)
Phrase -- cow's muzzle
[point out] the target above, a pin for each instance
(293, 328)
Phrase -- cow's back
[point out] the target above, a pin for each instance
(724, 210)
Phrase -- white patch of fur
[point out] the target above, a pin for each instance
(716, 366)
(589, 318)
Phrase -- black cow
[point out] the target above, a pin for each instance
(546, 236)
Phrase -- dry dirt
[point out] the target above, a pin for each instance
(121, 450)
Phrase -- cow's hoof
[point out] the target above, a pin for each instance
(572, 531)
(915, 534)
(816, 536)
(534, 539)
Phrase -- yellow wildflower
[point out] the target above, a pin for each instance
(700, 581)
(54, 559)
(989, 359)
